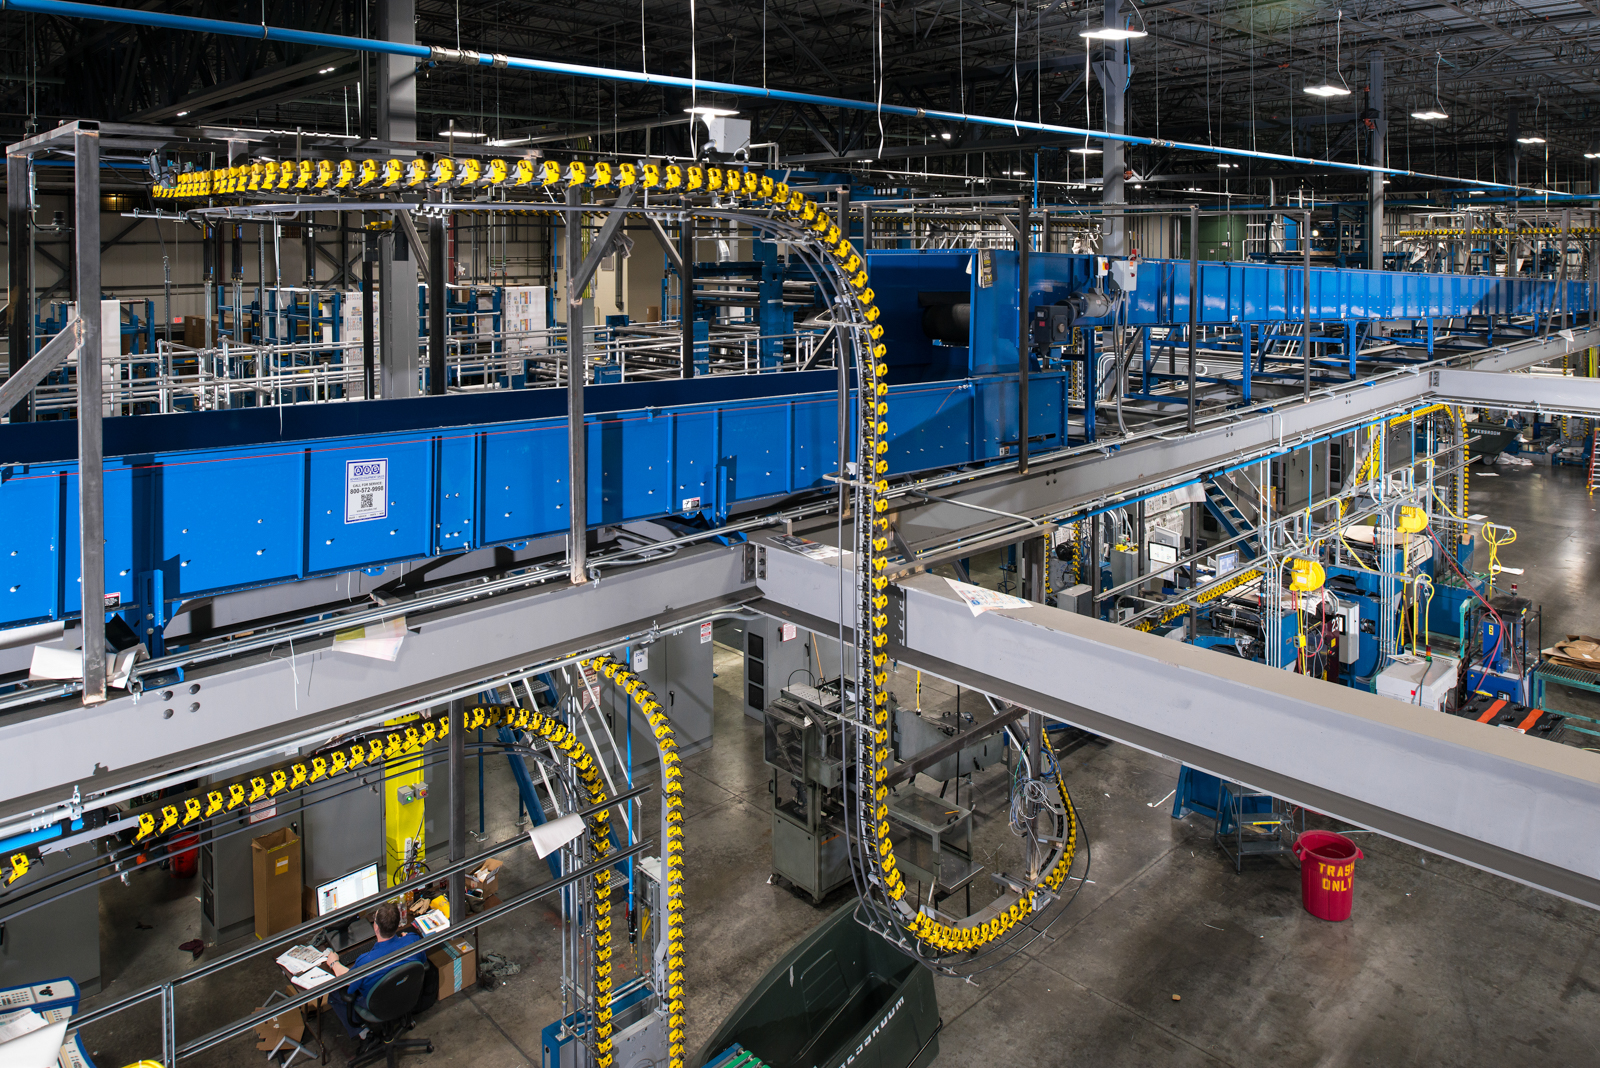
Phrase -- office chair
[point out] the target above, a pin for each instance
(388, 1012)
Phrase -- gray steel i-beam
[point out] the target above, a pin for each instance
(1404, 771)
(310, 689)
(91, 459)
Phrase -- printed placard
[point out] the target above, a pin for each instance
(366, 490)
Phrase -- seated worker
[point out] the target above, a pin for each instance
(386, 926)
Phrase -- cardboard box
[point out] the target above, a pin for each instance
(457, 962)
(194, 332)
(275, 861)
(485, 877)
(291, 1025)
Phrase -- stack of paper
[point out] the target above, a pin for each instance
(431, 921)
(312, 978)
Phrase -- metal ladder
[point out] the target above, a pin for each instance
(1221, 493)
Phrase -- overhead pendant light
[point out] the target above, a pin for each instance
(1112, 33)
(1437, 112)
(1327, 88)
(1532, 140)
(1116, 33)
(1087, 151)
(711, 112)
(1591, 155)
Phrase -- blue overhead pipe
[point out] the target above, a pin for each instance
(263, 32)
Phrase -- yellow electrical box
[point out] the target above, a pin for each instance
(1412, 520)
(1305, 576)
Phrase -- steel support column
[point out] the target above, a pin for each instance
(1113, 159)
(91, 460)
(577, 436)
(686, 302)
(1377, 155)
(1194, 300)
(457, 892)
(438, 307)
(19, 309)
(397, 268)
(1024, 239)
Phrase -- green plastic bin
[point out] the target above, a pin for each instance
(842, 996)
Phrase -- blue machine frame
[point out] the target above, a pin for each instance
(202, 503)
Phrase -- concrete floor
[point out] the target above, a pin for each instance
(1440, 964)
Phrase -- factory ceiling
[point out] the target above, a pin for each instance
(1229, 73)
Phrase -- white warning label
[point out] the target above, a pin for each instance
(366, 490)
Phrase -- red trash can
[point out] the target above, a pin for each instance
(185, 855)
(1327, 873)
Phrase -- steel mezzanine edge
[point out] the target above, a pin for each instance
(1513, 805)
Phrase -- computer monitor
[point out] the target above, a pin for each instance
(348, 889)
(1163, 554)
(1228, 561)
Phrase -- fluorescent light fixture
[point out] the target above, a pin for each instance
(1087, 151)
(467, 135)
(1591, 155)
(327, 70)
(945, 136)
(1534, 140)
(1326, 90)
(1226, 166)
(549, 837)
(1475, 192)
(1111, 33)
(711, 112)
(509, 141)
(181, 114)
(1431, 115)
(1017, 174)
(1136, 185)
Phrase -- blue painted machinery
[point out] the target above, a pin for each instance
(207, 502)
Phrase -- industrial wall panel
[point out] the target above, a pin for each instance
(931, 425)
(202, 516)
(32, 499)
(756, 438)
(815, 428)
(339, 536)
(694, 461)
(525, 480)
(455, 490)
(630, 470)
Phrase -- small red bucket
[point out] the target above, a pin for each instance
(1327, 873)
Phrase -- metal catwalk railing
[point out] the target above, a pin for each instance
(177, 377)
